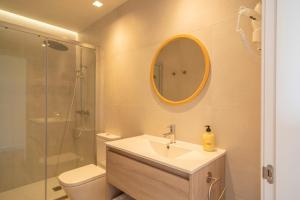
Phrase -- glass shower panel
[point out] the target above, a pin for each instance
(85, 108)
(70, 109)
(61, 79)
(22, 116)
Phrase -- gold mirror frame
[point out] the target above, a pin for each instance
(205, 76)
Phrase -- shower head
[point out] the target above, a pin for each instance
(57, 46)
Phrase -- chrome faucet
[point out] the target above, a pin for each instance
(171, 133)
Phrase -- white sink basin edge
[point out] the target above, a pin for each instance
(183, 156)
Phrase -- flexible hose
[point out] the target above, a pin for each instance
(215, 180)
(67, 124)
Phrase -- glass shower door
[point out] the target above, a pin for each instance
(61, 86)
(85, 107)
(71, 110)
(47, 113)
(22, 116)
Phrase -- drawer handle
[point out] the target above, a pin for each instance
(212, 180)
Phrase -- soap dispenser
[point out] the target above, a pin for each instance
(209, 140)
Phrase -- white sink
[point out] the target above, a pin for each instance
(182, 156)
(167, 151)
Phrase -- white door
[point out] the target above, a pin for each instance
(288, 100)
(281, 99)
(268, 95)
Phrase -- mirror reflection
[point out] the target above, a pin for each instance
(180, 69)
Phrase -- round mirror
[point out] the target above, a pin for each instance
(180, 69)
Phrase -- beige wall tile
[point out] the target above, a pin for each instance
(230, 102)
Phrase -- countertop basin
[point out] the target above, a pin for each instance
(183, 156)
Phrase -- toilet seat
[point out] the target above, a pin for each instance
(81, 175)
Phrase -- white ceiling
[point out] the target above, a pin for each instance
(75, 15)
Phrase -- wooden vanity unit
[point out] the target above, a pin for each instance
(144, 179)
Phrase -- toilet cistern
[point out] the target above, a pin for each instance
(172, 134)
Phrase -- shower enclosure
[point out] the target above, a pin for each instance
(47, 113)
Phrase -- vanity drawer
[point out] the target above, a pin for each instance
(144, 182)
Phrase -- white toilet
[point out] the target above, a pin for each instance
(88, 182)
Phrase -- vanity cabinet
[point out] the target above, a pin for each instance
(146, 180)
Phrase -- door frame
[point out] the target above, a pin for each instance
(268, 91)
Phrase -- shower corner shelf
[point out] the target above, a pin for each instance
(49, 120)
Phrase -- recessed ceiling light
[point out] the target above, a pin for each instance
(97, 4)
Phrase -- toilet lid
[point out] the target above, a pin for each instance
(81, 175)
(108, 136)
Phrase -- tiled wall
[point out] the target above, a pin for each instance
(230, 102)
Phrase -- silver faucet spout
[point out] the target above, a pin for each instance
(172, 133)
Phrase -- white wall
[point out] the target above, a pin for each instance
(288, 100)
(230, 102)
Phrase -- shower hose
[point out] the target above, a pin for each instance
(67, 124)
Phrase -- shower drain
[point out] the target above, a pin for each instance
(57, 188)
(62, 198)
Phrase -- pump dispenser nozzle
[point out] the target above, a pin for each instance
(208, 129)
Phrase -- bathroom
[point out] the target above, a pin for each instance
(83, 96)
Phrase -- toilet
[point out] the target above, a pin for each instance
(89, 182)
